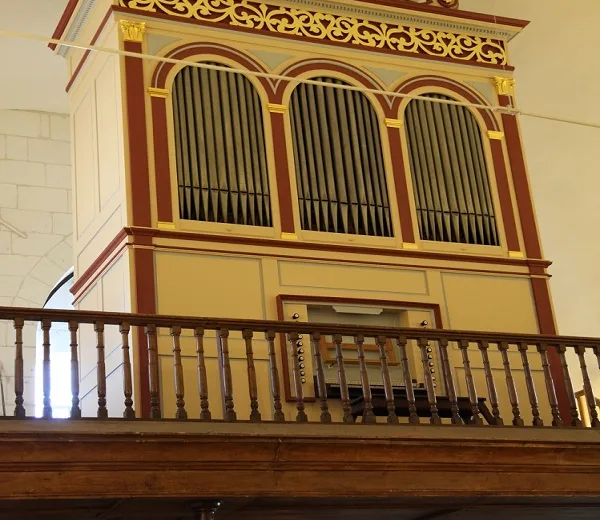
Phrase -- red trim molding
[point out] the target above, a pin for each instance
(282, 172)
(521, 183)
(162, 167)
(506, 207)
(543, 306)
(137, 142)
(402, 196)
(63, 22)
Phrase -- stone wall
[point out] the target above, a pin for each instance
(35, 224)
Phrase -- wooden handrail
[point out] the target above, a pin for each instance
(211, 323)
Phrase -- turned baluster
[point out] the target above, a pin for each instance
(344, 393)
(423, 343)
(205, 414)
(320, 372)
(75, 409)
(180, 413)
(476, 417)
(368, 415)
(101, 371)
(278, 414)
(510, 383)
(19, 369)
(413, 417)
(47, 411)
(226, 378)
(129, 412)
(293, 340)
(537, 421)
(449, 381)
(491, 384)
(387, 382)
(153, 375)
(587, 387)
(252, 385)
(575, 420)
(550, 389)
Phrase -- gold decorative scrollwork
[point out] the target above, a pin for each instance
(451, 4)
(335, 28)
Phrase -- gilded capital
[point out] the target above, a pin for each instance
(504, 86)
(133, 31)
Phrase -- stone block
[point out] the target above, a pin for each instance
(62, 223)
(16, 148)
(48, 151)
(5, 241)
(8, 196)
(43, 199)
(62, 255)
(17, 265)
(27, 220)
(47, 272)
(9, 285)
(60, 127)
(23, 173)
(20, 122)
(36, 244)
(58, 176)
(34, 290)
(45, 125)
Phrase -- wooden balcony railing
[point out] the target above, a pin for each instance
(483, 378)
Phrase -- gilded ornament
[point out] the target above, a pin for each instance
(494, 134)
(289, 236)
(393, 123)
(504, 86)
(165, 225)
(278, 109)
(451, 4)
(158, 92)
(133, 31)
(516, 254)
(247, 14)
(409, 245)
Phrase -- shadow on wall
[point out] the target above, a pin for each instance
(60, 357)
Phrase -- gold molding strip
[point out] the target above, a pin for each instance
(158, 92)
(277, 109)
(335, 28)
(393, 123)
(504, 86)
(409, 245)
(133, 31)
(165, 225)
(289, 236)
(515, 254)
(494, 134)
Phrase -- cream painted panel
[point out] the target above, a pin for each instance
(114, 298)
(85, 167)
(104, 235)
(109, 138)
(87, 336)
(241, 396)
(489, 303)
(115, 398)
(206, 285)
(368, 279)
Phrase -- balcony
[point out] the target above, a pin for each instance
(284, 419)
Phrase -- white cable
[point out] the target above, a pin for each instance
(118, 52)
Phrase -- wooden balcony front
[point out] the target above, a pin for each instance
(248, 433)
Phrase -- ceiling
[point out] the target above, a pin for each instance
(33, 77)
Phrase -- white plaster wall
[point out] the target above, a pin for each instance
(35, 225)
(557, 75)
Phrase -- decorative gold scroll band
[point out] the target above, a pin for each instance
(133, 31)
(278, 109)
(494, 134)
(315, 25)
